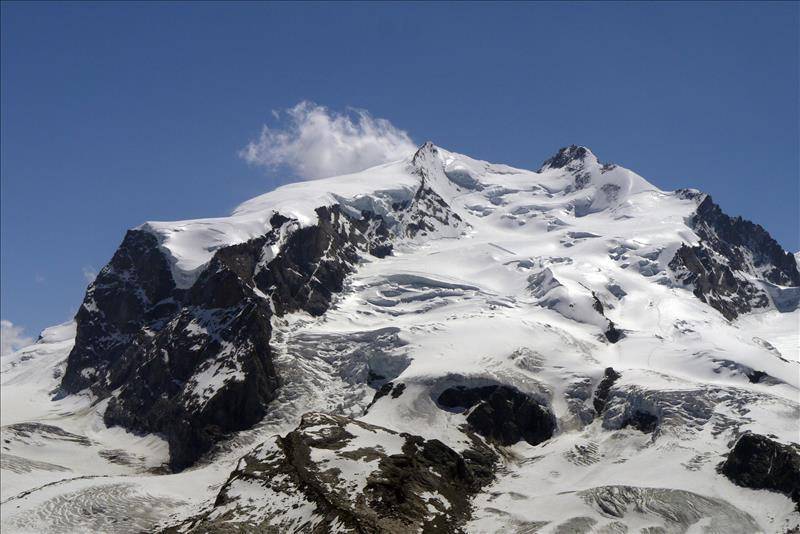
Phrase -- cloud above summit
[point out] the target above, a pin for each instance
(314, 142)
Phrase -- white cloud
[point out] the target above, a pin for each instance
(89, 273)
(315, 142)
(12, 338)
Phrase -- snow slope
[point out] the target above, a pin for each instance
(510, 299)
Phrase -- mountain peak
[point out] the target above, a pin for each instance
(568, 156)
(425, 152)
(427, 160)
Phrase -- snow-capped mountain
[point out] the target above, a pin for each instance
(437, 344)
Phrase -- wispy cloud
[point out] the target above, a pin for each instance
(12, 337)
(89, 273)
(316, 142)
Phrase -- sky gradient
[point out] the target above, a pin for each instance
(114, 114)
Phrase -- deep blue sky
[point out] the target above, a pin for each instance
(113, 114)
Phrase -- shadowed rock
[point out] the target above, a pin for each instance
(501, 413)
(134, 290)
(572, 154)
(761, 463)
(601, 394)
(731, 252)
(195, 364)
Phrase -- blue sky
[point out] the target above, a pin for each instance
(113, 114)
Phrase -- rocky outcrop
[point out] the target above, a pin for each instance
(732, 251)
(195, 364)
(431, 213)
(134, 291)
(631, 415)
(569, 157)
(348, 474)
(715, 283)
(747, 246)
(642, 421)
(601, 393)
(314, 261)
(428, 212)
(572, 159)
(207, 373)
(759, 462)
(612, 333)
(501, 413)
(386, 389)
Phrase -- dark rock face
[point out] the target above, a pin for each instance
(756, 376)
(642, 421)
(208, 371)
(427, 211)
(386, 389)
(734, 238)
(135, 289)
(314, 262)
(761, 463)
(730, 250)
(715, 283)
(195, 364)
(501, 413)
(398, 390)
(411, 484)
(612, 333)
(382, 392)
(430, 211)
(601, 393)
